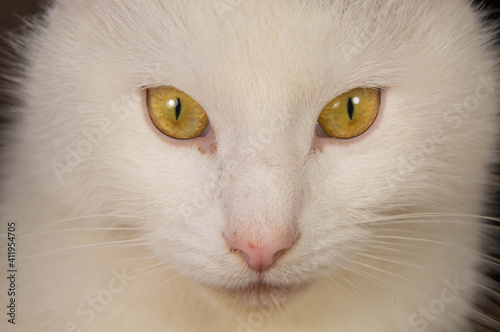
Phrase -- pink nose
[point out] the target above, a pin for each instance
(260, 257)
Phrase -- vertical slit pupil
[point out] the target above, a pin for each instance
(350, 108)
(178, 109)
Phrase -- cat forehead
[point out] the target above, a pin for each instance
(282, 42)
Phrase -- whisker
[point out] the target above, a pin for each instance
(385, 248)
(494, 293)
(93, 216)
(371, 278)
(479, 226)
(357, 291)
(129, 260)
(124, 243)
(155, 271)
(407, 245)
(141, 298)
(90, 229)
(391, 218)
(483, 316)
(416, 239)
(144, 268)
(393, 261)
(484, 257)
(383, 271)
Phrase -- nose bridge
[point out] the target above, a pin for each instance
(260, 128)
(261, 200)
(261, 207)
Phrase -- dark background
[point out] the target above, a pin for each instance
(14, 12)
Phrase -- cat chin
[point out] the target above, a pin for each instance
(259, 295)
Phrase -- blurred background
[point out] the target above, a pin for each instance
(11, 12)
(12, 15)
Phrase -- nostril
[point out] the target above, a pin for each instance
(279, 253)
(242, 253)
(260, 257)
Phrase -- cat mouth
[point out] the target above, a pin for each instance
(262, 294)
(263, 287)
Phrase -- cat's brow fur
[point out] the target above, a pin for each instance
(385, 220)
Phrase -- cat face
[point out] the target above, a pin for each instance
(263, 71)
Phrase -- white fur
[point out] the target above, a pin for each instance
(263, 71)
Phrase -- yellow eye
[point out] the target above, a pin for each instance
(176, 114)
(350, 114)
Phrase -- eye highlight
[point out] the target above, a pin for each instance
(350, 114)
(175, 113)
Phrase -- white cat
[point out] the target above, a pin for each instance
(174, 167)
